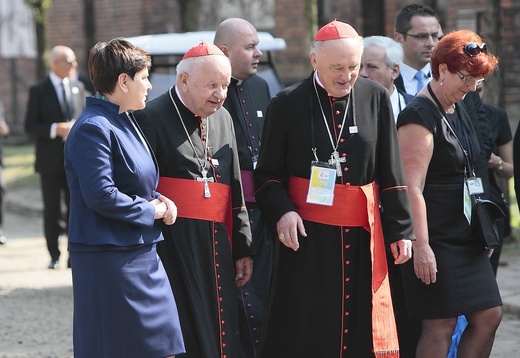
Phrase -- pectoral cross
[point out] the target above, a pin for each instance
(336, 160)
(206, 180)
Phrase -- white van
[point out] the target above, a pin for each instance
(167, 50)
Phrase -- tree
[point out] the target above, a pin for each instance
(40, 9)
(189, 14)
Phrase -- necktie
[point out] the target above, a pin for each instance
(67, 110)
(421, 80)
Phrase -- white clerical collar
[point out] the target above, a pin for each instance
(179, 95)
(239, 82)
(317, 79)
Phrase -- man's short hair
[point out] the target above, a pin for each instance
(404, 16)
(393, 49)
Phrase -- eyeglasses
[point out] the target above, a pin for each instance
(424, 37)
(469, 80)
(472, 49)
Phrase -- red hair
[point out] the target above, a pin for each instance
(450, 50)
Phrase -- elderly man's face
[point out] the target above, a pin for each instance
(374, 67)
(337, 63)
(205, 89)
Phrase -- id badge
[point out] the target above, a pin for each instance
(321, 184)
(474, 185)
(467, 204)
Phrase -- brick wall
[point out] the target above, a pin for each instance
(292, 22)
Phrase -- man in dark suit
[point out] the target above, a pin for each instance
(247, 99)
(53, 105)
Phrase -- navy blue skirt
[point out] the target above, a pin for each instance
(123, 304)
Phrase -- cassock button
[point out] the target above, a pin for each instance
(215, 231)
(220, 299)
(339, 126)
(347, 314)
(347, 297)
(223, 333)
(216, 243)
(250, 125)
(247, 113)
(338, 113)
(342, 140)
(345, 331)
(218, 176)
(344, 348)
(347, 230)
(347, 279)
(249, 305)
(253, 137)
(345, 169)
(347, 262)
(347, 246)
(222, 322)
(243, 101)
(344, 155)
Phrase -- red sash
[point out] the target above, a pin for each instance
(358, 206)
(188, 196)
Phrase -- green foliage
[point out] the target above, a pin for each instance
(39, 9)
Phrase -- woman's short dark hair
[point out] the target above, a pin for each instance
(107, 60)
(450, 50)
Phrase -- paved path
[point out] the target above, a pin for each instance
(36, 303)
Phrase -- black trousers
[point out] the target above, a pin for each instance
(55, 221)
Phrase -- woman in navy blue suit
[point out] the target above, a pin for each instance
(123, 303)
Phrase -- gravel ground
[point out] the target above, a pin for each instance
(36, 303)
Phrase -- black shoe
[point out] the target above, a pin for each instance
(54, 265)
(3, 239)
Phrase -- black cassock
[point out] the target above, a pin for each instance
(247, 103)
(321, 299)
(196, 253)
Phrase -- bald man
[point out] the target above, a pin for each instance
(54, 103)
(248, 96)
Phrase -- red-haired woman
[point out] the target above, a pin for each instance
(451, 274)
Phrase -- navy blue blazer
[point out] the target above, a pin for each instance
(111, 177)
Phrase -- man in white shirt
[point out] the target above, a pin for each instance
(418, 29)
(380, 62)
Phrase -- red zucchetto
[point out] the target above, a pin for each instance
(203, 49)
(335, 30)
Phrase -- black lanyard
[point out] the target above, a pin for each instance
(467, 153)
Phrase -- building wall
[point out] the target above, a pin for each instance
(294, 20)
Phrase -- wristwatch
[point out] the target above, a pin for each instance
(500, 164)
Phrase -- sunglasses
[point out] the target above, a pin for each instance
(472, 49)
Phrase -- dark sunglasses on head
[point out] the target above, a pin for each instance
(472, 49)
